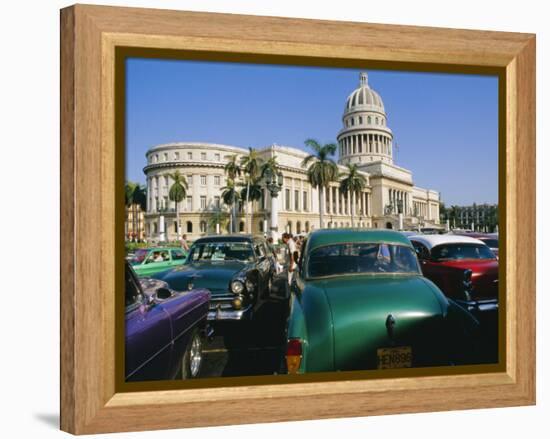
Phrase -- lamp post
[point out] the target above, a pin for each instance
(400, 213)
(273, 182)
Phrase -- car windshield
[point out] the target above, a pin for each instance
(491, 242)
(139, 256)
(221, 251)
(371, 258)
(461, 251)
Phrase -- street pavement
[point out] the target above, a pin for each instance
(249, 348)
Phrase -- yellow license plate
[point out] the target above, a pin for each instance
(394, 358)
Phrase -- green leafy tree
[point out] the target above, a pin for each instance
(353, 183)
(221, 217)
(233, 171)
(269, 166)
(251, 164)
(230, 197)
(177, 193)
(322, 170)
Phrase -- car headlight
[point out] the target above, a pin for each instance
(237, 287)
(250, 286)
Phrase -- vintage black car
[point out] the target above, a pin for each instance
(238, 270)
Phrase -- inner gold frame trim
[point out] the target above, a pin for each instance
(94, 40)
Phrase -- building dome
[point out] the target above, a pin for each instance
(365, 137)
(364, 98)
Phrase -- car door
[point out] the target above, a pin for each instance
(263, 265)
(148, 335)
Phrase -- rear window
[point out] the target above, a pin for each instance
(459, 251)
(372, 258)
(493, 243)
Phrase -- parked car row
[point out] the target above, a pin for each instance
(360, 299)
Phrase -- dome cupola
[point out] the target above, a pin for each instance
(365, 137)
(364, 98)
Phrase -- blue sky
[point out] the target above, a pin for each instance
(445, 125)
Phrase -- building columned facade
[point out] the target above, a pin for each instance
(390, 198)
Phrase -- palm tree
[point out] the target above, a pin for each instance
(219, 217)
(135, 196)
(230, 196)
(270, 166)
(233, 170)
(253, 190)
(177, 193)
(353, 184)
(322, 170)
(252, 164)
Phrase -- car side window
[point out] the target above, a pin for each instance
(177, 254)
(421, 250)
(259, 249)
(132, 293)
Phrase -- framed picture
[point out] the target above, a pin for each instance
(315, 219)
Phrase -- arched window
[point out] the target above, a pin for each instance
(175, 227)
(389, 225)
(369, 120)
(261, 226)
(299, 227)
(241, 226)
(203, 226)
(189, 227)
(360, 120)
(155, 228)
(329, 225)
(289, 226)
(376, 121)
(307, 226)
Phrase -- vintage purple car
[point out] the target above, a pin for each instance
(164, 330)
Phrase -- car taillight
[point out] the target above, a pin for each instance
(293, 355)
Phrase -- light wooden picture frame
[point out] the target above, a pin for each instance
(91, 36)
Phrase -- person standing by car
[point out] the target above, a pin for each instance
(184, 245)
(290, 253)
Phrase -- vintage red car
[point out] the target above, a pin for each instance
(464, 268)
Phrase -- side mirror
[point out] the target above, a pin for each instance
(163, 293)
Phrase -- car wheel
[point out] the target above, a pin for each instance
(192, 359)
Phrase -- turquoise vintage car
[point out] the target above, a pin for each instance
(149, 261)
(359, 301)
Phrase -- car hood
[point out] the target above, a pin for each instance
(215, 276)
(360, 306)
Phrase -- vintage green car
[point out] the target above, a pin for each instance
(149, 261)
(359, 301)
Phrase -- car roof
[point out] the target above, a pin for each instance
(323, 237)
(225, 238)
(431, 241)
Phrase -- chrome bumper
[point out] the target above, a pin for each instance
(479, 305)
(228, 314)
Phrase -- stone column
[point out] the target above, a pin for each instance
(162, 234)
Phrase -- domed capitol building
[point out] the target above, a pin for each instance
(390, 198)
